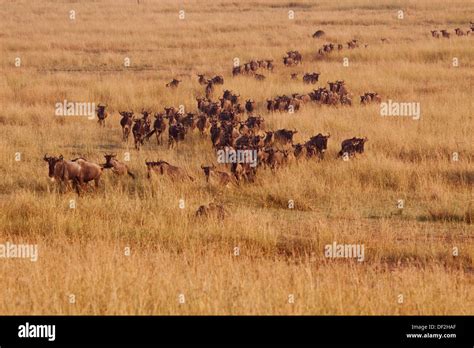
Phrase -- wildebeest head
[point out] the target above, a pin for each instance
(108, 160)
(52, 163)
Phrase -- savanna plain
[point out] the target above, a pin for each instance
(131, 247)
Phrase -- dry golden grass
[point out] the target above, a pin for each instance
(81, 251)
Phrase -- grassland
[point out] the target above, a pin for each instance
(81, 251)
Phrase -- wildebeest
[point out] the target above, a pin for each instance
(284, 137)
(445, 33)
(101, 114)
(164, 168)
(221, 177)
(139, 132)
(250, 105)
(159, 127)
(350, 147)
(218, 80)
(202, 123)
(460, 32)
(78, 172)
(202, 79)
(173, 83)
(117, 167)
(176, 133)
(311, 78)
(369, 97)
(212, 210)
(435, 34)
(318, 34)
(259, 77)
(209, 89)
(126, 124)
(294, 76)
(317, 145)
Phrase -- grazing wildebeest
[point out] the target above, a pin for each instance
(318, 34)
(350, 147)
(259, 77)
(164, 168)
(249, 105)
(173, 83)
(435, 33)
(101, 114)
(176, 133)
(284, 137)
(222, 178)
(212, 210)
(202, 79)
(159, 127)
(78, 171)
(117, 167)
(317, 144)
(126, 123)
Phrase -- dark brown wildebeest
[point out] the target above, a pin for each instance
(212, 210)
(350, 147)
(445, 33)
(284, 137)
(237, 70)
(101, 114)
(249, 105)
(117, 167)
(259, 77)
(159, 127)
(370, 97)
(435, 34)
(78, 171)
(317, 145)
(139, 132)
(164, 168)
(202, 79)
(222, 178)
(189, 121)
(173, 83)
(126, 123)
(460, 32)
(300, 151)
(218, 80)
(176, 133)
(311, 78)
(318, 34)
(202, 123)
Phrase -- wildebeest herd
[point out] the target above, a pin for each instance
(232, 125)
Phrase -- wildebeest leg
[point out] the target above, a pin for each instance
(96, 182)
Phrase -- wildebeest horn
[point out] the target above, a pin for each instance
(45, 157)
(329, 134)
